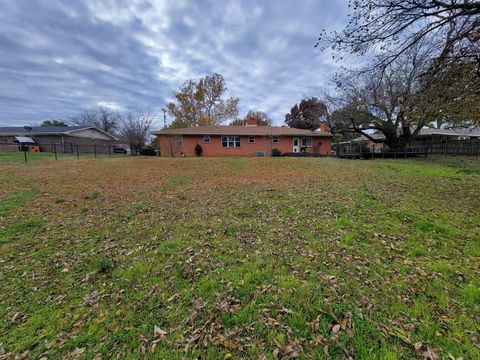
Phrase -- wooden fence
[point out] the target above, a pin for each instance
(448, 147)
(420, 147)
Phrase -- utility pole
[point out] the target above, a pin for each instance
(164, 118)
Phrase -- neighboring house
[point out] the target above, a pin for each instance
(437, 134)
(62, 138)
(431, 140)
(247, 140)
(450, 134)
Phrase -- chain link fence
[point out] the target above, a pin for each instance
(58, 151)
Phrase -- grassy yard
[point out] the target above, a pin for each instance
(240, 258)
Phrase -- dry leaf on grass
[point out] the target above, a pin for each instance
(159, 333)
(430, 354)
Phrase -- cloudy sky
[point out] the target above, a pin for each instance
(58, 57)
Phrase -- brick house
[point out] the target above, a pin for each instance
(64, 138)
(246, 140)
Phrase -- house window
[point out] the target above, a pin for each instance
(231, 141)
(251, 139)
(179, 141)
(307, 142)
(275, 140)
(206, 139)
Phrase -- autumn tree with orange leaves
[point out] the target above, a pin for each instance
(202, 102)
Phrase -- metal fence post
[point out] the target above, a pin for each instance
(78, 155)
(95, 150)
(55, 151)
(109, 153)
(25, 154)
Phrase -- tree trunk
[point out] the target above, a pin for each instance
(398, 142)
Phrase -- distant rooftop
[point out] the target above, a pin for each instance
(45, 130)
(13, 130)
(472, 132)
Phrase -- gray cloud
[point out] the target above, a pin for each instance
(61, 57)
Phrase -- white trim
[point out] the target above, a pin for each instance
(229, 141)
(296, 148)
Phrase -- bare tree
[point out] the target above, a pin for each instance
(101, 117)
(173, 143)
(135, 126)
(391, 27)
(389, 101)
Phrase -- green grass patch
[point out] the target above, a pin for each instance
(21, 229)
(471, 294)
(425, 226)
(236, 163)
(94, 195)
(16, 199)
(425, 169)
(473, 246)
(349, 239)
(442, 267)
(179, 180)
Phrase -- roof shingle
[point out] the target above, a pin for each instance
(242, 130)
(40, 129)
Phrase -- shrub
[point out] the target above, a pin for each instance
(276, 152)
(148, 151)
(198, 150)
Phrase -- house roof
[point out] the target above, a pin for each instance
(47, 130)
(242, 130)
(24, 139)
(473, 132)
(363, 138)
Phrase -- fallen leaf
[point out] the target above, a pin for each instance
(159, 332)
(336, 328)
(275, 353)
(90, 299)
(430, 354)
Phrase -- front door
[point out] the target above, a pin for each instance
(296, 145)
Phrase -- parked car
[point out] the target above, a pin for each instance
(119, 149)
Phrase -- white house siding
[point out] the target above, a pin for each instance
(90, 134)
